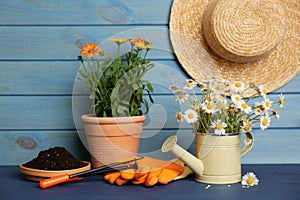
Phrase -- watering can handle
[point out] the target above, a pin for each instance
(249, 146)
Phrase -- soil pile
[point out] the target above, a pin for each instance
(56, 158)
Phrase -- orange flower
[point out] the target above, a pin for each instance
(90, 49)
(139, 43)
(119, 41)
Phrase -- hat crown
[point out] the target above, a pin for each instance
(243, 30)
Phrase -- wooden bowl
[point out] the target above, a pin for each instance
(37, 174)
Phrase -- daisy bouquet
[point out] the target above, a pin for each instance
(218, 106)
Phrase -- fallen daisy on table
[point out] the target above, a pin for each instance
(249, 180)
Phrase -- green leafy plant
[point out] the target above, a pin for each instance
(117, 85)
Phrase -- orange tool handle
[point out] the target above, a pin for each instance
(55, 180)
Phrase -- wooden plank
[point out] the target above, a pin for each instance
(55, 112)
(16, 147)
(61, 42)
(37, 78)
(278, 146)
(58, 77)
(36, 112)
(22, 12)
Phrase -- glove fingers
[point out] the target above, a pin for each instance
(151, 171)
(175, 167)
(121, 181)
(167, 175)
(151, 181)
(142, 172)
(139, 181)
(127, 174)
(112, 177)
(152, 177)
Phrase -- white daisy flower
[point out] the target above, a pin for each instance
(190, 84)
(179, 116)
(247, 126)
(181, 97)
(249, 180)
(258, 111)
(281, 101)
(237, 87)
(276, 113)
(236, 99)
(267, 104)
(245, 120)
(262, 90)
(219, 127)
(243, 106)
(190, 116)
(209, 107)
(265, 122)
(247, 141)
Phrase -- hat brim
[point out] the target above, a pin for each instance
(189, 45)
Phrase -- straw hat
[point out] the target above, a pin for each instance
(247, 40)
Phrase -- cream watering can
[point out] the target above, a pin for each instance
(217, 159)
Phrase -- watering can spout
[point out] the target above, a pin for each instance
(170, 145)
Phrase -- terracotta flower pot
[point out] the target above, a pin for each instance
(112, 138)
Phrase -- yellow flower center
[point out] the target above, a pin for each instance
(248, 141)
(264, 91)
(219, 126)
(209, 106)
(247, 128)
(178, 116)
(244, 105)
(281, 101)
(237, 98)
(238, 84)
(181, 96)
(191, 115)
(190, 84)
(258, 110)
(268, 104)
(249, 180)
(264, 122)
(245, 120)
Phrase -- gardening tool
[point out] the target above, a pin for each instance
(64, 178)
(217, 159)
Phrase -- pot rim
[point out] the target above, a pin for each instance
(92, 118)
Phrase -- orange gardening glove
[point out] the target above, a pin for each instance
(150, 172)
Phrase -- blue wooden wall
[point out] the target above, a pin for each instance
(38, 67)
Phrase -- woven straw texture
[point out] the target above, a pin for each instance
(250, 40)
